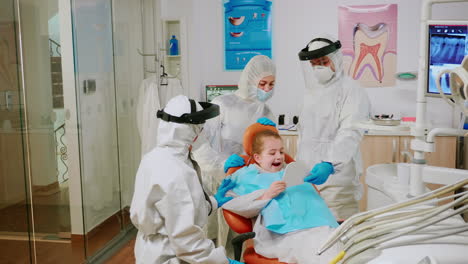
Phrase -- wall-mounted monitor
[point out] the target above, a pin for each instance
(448, 45)
(213, 91)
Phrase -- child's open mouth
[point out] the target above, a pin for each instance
(276, 164)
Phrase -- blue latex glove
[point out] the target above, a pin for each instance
(225, 186)
(320, 173)
(265, 121)
(231, 261)
(233, 161)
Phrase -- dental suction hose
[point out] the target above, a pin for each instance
(361, 217)
(371, 244)
(402, 224)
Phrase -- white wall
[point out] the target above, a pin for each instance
(294, 24)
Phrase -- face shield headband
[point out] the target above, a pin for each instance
(209, 111)
(305, 54)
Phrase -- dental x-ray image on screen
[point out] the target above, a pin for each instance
(447, 48)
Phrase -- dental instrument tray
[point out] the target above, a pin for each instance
(385, 120)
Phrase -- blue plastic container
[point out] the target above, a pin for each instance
(173, 46)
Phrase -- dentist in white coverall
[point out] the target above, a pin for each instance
(332, 104)
(170, 206)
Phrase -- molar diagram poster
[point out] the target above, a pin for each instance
(247, 31)
(368, 34)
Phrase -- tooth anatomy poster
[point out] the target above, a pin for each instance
(247, 31)
(368, 34)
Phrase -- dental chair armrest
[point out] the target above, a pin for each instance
(238, 241)
(237, 223)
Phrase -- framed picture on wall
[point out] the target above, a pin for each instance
(247, 31)
(368, 35)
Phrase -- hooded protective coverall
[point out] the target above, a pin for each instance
(169, 206)
(237, 111)
(326, 131)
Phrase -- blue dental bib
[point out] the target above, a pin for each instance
(298, 207)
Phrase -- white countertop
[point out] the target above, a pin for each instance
(371, 129)
(374, 132)
(288, 132)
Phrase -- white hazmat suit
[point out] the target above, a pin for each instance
(223, 134)
(333, 103)
(237, 111)
(169, 206)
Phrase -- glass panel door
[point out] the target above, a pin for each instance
(35, 189)
(39, 139)
(128, 67)
(45, 134)
(95, 91)
(14, 224)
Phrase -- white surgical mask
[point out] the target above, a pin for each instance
(323, 74)
(263, 96)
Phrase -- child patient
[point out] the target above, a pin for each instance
(290, 222)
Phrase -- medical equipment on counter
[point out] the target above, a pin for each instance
(385, 120)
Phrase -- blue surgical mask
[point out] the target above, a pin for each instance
(263, 96)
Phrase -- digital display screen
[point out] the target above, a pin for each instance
(447, 48)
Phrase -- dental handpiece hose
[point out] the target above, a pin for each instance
(361, 217)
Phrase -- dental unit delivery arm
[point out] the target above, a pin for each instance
(419, 143)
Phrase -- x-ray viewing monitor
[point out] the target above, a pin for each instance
(448, 45)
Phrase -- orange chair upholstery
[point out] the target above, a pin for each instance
(238, 223)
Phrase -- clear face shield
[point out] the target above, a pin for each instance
(317, 62)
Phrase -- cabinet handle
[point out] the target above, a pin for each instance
(394, 146)
(405, 152)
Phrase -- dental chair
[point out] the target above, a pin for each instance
(240, 224)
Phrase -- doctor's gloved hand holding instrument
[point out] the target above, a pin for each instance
(225, 186)
(320, 173)
(233, 161)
